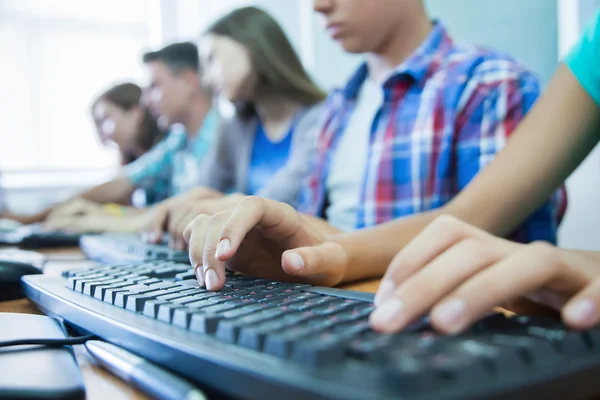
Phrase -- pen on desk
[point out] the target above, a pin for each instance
(149, 378)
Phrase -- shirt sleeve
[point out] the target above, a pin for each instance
(584, 59)
(153, 171)
(492, 114)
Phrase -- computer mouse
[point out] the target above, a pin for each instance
(10, 278)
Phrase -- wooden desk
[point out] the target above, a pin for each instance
(100, 384)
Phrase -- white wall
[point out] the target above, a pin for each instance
(537, 32)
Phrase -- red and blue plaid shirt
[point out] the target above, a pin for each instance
(447, 111)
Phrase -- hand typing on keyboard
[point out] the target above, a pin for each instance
(255, 238)
(175, 214)
(460, 272)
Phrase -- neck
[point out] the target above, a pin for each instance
(275, 112)
(197, 110)
(398, 47)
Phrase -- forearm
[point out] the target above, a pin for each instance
(118, 190)
(28, 219)
(370, 251)
(320, 225)
(553, 139)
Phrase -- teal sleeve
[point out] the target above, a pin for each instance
(584, 59)
(152, 171)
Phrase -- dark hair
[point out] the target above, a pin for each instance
(126, 96)
(272, 55)
(178, 57)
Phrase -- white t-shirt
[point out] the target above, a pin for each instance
(348, 166)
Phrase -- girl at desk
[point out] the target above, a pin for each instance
(264, 148)
(120, 118)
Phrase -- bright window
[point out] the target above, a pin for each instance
(57, 55)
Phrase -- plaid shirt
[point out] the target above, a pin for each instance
(447, 111)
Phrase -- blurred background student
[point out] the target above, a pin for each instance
(120, 119)
(265, 148)
(175, 94)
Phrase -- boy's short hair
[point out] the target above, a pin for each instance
(178, 57)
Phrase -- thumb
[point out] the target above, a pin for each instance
(324, 264)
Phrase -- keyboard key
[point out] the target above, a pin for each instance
(242, 311)
(121, 297)
(101, 289)
(79, 284)
(220, 299)
(165, 312)
(190, 282)
(164, 285)
(320, 349)
(206, 295)
(151, 307)
(137, 278)
(370, 348)
(178, 295)
(182, 316)
(182, 276)
(90, 287)
(205, 323)
(136, 302)
(280, 344)
(331, 308)
(185, 300)
(352, 328)
(150, 281)
(253, 337)
(196, 304)
(110, 294)
(214, 309)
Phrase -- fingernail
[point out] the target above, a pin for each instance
(450, 313)
(296, 261)
(199, 275)
(212, 279)
(582, 312)
(223, 248)
(387, 312)
(386, 290)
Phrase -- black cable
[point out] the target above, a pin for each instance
(48, 342)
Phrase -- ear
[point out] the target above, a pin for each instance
(138, 112)
(191, 78)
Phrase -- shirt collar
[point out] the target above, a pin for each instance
(418, 66)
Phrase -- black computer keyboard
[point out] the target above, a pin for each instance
(259, 339)
(110, 248)
(37, 237)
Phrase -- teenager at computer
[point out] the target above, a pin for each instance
(171, 167)
(120, 118)
(409, 131)
(265, 147)
(458, 271)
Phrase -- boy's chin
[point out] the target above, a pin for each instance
(352, 46)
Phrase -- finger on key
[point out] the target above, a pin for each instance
(194, 235)
(436, 238)
(522, 272)
(279, 218)
(214, 269)
(420, 292)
